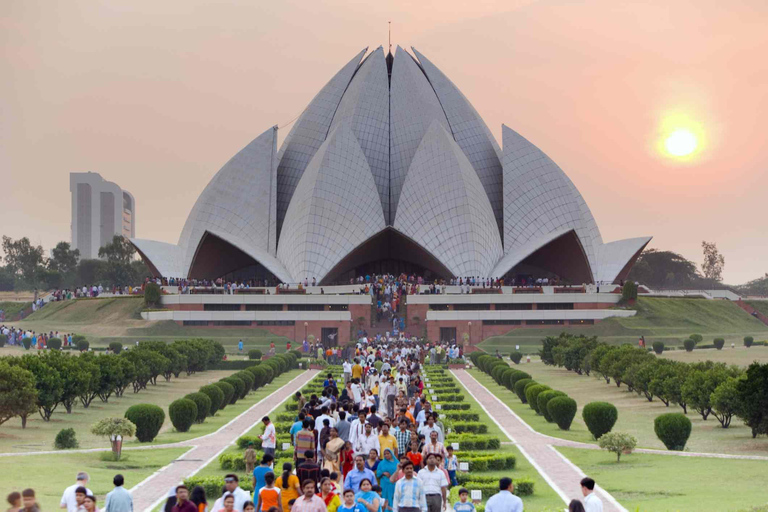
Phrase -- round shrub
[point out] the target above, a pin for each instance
(183, 413)
(247, 378)
(520, 389)
(516, 357)
(689, 344)
(254, 375)
(203, 404)
(562, 409)
(673, 429)
(697, 338)
(65, 439)
(229, 392)
(152, 294)
(260, 373)
(506, 375)
(26, 342)
(269, 374)
(719, 343)
(254, 354)
(115, 347)
(748, 341)
(3, 340)
(148, 419)
(532, 396)
(216, 395)
(543, 399)
(600, 417)
(239, 385)
(497, 372)
(658, 347)
(515, 376)
(54, 344)
(82, 344)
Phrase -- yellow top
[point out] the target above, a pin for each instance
(357, 371)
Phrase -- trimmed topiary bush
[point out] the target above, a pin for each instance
(3, 340)
(520, 389)
(515, 376)
(54, 344)
(148, 419)
(658, 347)
(239, 386)
(81, 344)
(254, 354)
(216, 396)
(543, 399)
(697, 338)
(229, 392)
(748, 341)
(673, 429)
(600, 417)
(719, 343)
(183, 413)
(152, 294)
(562, 410)
(115, 347)
(516, 357)
(689, 344)
(203, 404)
(65, 439)
(532, 395)
(26, 342)
(248, 379)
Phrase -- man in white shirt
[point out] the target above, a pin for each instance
(232, 485)
(357, 428)
(357, 393)
(591, 502)
(435, 485)
(504, 500)
(68, 500)
(269, 437)
(323, 416)
(367, 442)
(347, 371)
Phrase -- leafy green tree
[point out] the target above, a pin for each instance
(64, 258)
(618, 443)
(22, 258)
(595, 361)
(17, 393)
(114, 429)
(76, 376)
(109, 375)
(713, 261)
(118, 253)
(48, 382)
(664, 269)
(124, 377)
(753, 398)
(725, 401)
(88, 362)
(698, 388)
(642, 375)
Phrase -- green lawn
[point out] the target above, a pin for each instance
(49, 475)
(662, 483)
(667, 320)
(12, 308)
(760, 305)
(636, 413)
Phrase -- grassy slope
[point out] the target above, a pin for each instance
(661, 483)
(12, 309)
(110, 319)
(636, 414)
(760, 305)
(669, 320)
(49, 475)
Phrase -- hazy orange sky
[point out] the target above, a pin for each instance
(157, 96)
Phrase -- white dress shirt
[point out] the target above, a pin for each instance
(432, 481)
(504, 501)
(69, 499)
(367, 443)
(592, 503)
(241, 496)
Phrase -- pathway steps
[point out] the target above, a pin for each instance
(560, 473)
(152, 490)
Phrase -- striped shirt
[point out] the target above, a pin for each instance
(409, 493)
(304, 440)
(403, 440)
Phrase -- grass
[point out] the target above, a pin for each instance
(39, 435)
(636, 413)
(760, 305)
(667, 320)
(12, 309)
(659, 483)
(119, 319)
(49, 475)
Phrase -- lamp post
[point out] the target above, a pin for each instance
(469, 329)
(305, 330)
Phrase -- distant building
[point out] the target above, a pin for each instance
(100, 210)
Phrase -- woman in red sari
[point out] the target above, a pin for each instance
(348, 460)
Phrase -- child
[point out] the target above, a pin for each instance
(349, 504)
(452, 465)
(269, 495)
(414, 455)
(463, 505)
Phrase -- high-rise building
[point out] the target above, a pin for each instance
(100, 210)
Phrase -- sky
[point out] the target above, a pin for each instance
(157, 96)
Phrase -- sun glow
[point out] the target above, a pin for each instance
(681, 138)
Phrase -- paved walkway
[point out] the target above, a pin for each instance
(153, 490)
(560, 473)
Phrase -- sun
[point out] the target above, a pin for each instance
(681, 142)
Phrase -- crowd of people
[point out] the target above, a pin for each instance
(77, 498)
(14, 336)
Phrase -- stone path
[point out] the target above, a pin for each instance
(560, 473)
(149, 493)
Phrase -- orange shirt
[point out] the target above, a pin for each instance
(270, 497)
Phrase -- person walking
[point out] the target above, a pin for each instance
(250, 459)
(504, 500)
(183, 504)
(360, 472)
(309, 501)
(68, 499)
(269, 437)
(591, 502)
(435, 485)
(118, 499)
(409, 492)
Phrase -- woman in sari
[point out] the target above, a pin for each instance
(372, 462)
(330, 498)
(387, 468)
(367, 498)
(347, 459)
(333, 454)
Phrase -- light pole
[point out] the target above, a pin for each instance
(305, 330)
(469, 328)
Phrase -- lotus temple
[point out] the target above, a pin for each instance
(390, 169)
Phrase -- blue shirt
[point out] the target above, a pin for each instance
(295, 428)
(463, 507)
(354, 477)
(119, 500)
(504, 501)
(258, 474)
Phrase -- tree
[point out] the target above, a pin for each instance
(22, 258)
(115, 429)
(17, 393)
(118, 253)
(48, 382)
(725, 401)
(63, 258)
(76, 376)
(699, 386)
(91, 365)
(713, 261)
(618, 443)
(753, 398)
(663, 269)
(124, 377)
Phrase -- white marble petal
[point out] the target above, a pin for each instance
(614, 256)
(164, 257)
